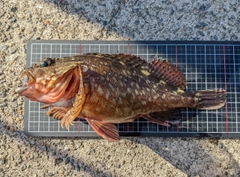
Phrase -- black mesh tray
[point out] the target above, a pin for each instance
(206, 65)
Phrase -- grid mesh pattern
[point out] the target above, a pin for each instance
(206, 66)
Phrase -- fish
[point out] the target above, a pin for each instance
(109, 89)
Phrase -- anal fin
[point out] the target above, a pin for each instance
(164, 118)
(159, 121)
(106, 130)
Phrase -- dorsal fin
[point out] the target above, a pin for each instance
(131, 61)
(166, 71)
(159, 69)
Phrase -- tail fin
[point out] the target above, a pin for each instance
(207, 99)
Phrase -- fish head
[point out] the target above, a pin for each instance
(50, 81)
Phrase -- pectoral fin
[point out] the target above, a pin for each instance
(77, 105)
(45, 106)
(57, 112)
(106, 130)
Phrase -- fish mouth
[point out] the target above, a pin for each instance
(20, 90)
(63, 87)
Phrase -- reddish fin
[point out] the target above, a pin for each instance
(167, 72)
(45, 106)
(57, 112)
(106, 130)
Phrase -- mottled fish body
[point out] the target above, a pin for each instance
(107, 89)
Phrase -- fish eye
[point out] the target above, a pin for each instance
(47, 62)
(44, 64)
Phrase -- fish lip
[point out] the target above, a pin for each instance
(19, 90)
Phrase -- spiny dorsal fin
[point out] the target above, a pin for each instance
(166, 71)
(159, 69)
(131, 61)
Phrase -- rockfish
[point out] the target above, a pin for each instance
(107, 89)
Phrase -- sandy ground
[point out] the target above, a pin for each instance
(21, 21)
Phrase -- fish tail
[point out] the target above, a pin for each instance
(206, 99)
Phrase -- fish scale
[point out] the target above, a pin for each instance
(118, 88)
